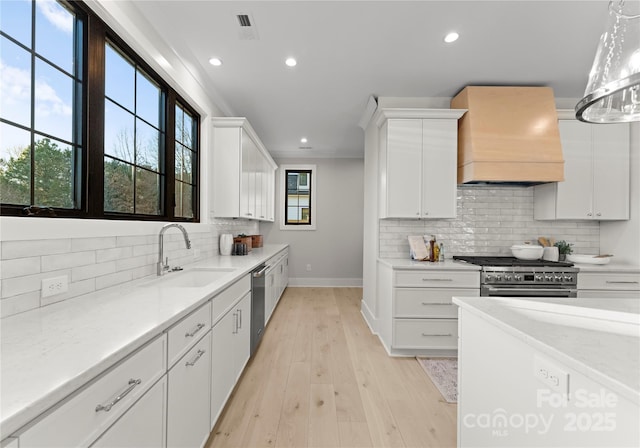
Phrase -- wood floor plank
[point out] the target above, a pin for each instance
(323, 423)
(321, 378)
(294, 421)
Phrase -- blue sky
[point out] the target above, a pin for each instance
(54, 37)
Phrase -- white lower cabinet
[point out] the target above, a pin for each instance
(83, 417)
(230, 353)
(418, 316)
(276, 281)
(142, 426)
(188, 422)
(609, 285)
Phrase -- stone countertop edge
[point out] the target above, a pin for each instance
(613, 266)
(23, 400)
(415, 265)
(497, 311)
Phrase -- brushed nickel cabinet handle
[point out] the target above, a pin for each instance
(199, 327)
(613, 282)
(436, 303)
(132, 385)
(443, 334)
(437, 279)
(195, 360)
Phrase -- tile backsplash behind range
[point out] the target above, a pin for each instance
(91, 264)
(489, 221)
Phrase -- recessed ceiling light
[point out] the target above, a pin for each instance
(303, 140)
(451, 37)
(215, 62)
(291, 62)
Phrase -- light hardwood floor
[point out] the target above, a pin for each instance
(321, 379)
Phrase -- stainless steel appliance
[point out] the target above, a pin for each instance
(511, 277)
(258, 277)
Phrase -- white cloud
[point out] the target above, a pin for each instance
(56, 14)
(48, 102)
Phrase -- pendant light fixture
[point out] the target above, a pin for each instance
(613, 91)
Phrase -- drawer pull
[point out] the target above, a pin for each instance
(195, 360)
(437, 279)
(195, 330)
(132, 385)
(436, 303)
(443, 335)
(621, 282)
(235, 323)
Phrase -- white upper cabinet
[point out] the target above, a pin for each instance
(243, 172)
(596, 172)
(418, 163)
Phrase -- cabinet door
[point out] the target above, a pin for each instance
(248, 177)
(611, 171)
(269, 294)
(404, 168)
(141, 426)
(242, 338)
(188, 420)
(439, 168)
(221, 363)
(575, 194)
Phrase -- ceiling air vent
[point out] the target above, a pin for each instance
(247, 30)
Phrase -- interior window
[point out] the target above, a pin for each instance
(298, 197)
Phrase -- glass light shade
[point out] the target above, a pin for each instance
(613, 91)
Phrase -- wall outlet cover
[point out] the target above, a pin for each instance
(55, 285)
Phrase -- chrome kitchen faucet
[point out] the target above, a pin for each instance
(163, 267)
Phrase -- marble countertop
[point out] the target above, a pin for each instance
(447, 265)
(599, 338)
(48, 353)
(613, 266)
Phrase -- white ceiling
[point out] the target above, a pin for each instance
(349, 50)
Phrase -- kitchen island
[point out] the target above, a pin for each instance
(548, 372)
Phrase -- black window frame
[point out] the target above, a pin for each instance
(309, 173)
(91, 155)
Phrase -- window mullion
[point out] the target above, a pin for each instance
(169, 190)
(95, 103)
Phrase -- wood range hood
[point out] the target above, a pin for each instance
(509, 135)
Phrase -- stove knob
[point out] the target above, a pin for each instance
(498, 278)
(517, 277)
(558, 278)
(507, 278)
(489, 277)
(538, 277)
(568, 278)
(548, 278)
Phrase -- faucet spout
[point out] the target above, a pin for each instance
(164, 266)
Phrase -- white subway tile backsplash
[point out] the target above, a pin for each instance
(18, 267)
(34, 248)
(124, 264)
(92, 270)
(19, 303)
(28, 283)
(70, 260)
(113, 279)
(113, 254)
(75, 289)
(489, 221)
(82, 244)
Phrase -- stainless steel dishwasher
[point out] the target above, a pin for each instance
(258, 278)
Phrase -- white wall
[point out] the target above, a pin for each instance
(334, 249)
(622, 238)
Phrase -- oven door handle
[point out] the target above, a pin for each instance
(534, 291)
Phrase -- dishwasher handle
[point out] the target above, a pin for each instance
(260, 273)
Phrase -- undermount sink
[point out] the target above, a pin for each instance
(192, 278)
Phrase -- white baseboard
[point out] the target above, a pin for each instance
(326, 282)
(371, 321)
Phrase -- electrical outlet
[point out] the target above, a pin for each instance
(308, 268)
(55, 285)
(551, 375)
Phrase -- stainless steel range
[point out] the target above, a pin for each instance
(511, 277)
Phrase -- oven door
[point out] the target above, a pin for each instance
(523, 291)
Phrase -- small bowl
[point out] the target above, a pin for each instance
(527, 251)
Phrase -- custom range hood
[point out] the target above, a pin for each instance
(508, 135)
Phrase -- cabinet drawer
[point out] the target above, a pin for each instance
(188, 331)
(223, 301)
(85, 415)
(425, 333)
(428, 302)
(609, 280)
(438, 279)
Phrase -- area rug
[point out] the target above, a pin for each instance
(444, 374)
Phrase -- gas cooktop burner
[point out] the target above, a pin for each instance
(510, 261)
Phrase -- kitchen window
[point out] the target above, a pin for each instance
(298, 197)
(135, 156)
